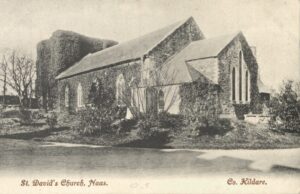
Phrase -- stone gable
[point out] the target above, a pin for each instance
(229, 59)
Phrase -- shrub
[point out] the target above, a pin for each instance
(154, 134)
(30, 116)
(26, 116)
(99, 116)
(217, 126)
(285, 110)
(220, 127)
(70, 121)
(51, 119)
(37, 114)
(95, 121)
(100, 96)
(150, 131)
(154, 138)
(123, 125)
(167, 120)
(146, 122)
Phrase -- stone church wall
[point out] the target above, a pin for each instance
(108, 77)
(176, 42)
(229, 59)
(199, 99)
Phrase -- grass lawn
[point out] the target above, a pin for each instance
(9, 126)
(70, 136)
(242, 136)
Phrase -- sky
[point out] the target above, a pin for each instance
(270, 25)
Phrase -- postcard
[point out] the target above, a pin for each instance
(160, 96)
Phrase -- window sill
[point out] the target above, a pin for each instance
(121, 105)
(80, 108)
(240, 102)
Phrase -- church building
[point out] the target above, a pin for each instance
(172, 69)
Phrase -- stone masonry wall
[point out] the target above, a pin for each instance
(108, 77)
(56, 54)
(43, 73)
(167, 48)
(197, 98)
(229, 59)
(176, 42)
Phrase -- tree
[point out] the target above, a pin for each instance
(285, 106)
(3, 75)
(98, 116)
(297, 88)
(101, 96)
(19, 72)
(157, 80)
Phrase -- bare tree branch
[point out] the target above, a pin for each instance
(18, 72)
(134, 95)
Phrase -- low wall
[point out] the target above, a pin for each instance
(257, 118)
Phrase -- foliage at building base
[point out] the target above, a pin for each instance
(101, 112)
(201, 108)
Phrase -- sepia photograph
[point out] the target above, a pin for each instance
(149, 96)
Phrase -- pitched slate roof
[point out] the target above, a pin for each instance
(209, 47)
(196, 61)
(187, 72)
(208, 68)
(130, 50)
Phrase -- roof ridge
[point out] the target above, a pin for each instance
(233, 37)
(216, 37)
(124, 51)
(227, 34)
(180, 23)
(144, 35)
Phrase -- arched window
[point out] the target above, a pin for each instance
(79, 96)
(240, 75)
(94, 92)
(161, 101)
(120, 89)
(247, 86)
(67, 96)
(233, 84)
